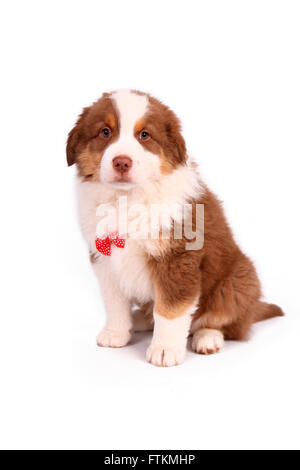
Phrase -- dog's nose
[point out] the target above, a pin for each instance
(122, 164)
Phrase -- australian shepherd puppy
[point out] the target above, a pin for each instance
(132, 162)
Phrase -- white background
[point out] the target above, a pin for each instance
(230, 69)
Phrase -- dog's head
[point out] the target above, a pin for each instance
(125, 139)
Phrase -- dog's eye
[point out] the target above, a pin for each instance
(105, 133)
(144, 135)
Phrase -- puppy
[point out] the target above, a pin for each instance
(128, 148)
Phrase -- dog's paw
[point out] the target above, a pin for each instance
(165, 356)
(113, 339)
(207, 341)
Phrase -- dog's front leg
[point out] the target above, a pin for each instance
(168, 346)
(118, 327)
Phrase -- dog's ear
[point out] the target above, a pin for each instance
(76, 138)
(73, 139)
(176, 138)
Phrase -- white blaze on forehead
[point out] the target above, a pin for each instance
(131, 107)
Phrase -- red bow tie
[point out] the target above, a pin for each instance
(103, 244)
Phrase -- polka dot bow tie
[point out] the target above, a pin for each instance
(103, 245)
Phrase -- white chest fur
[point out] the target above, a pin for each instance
(126, 266)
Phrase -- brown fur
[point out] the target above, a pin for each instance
(219, 274)
(85, 145)
(86, 148)
(165, 130)
(223, 277)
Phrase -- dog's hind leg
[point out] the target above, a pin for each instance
(142, 317)
(207, 341)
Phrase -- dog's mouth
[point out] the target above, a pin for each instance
(123, 179)
(123, 182)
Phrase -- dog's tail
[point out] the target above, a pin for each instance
(265, 311)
